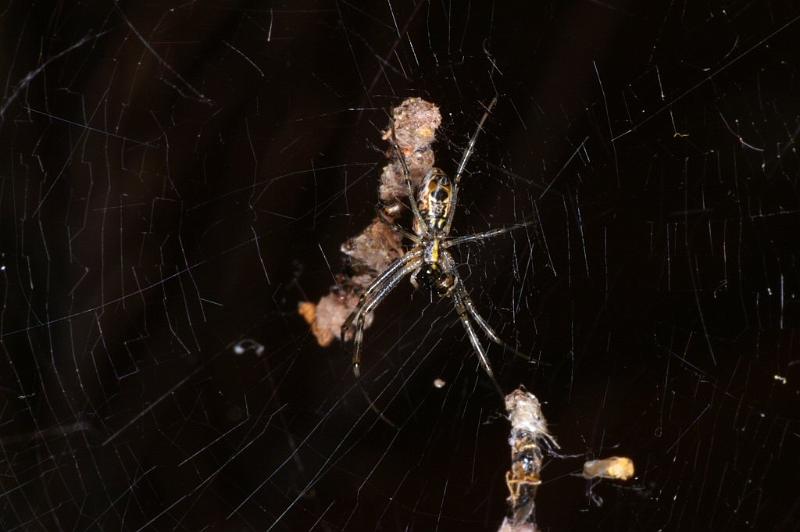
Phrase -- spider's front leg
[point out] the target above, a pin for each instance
(407, 178)
(395, 226)
(486, 235)
(373, 296)
(376, 285)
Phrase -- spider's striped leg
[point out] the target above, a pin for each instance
(376, 285)
(456, 241)
(463, 298)
(358, 339)
(368, 305)
(473, 338)
(473, 313)
(487, 329)
(463, 163)
(409, 188)
(462, 309)
(395, 226)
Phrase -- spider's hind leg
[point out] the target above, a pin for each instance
(462, 309)
(487, 329)
(473, 338)
(466, 310)
(358, 339)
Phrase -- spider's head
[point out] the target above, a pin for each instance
(433, 278)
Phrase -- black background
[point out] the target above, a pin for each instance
(175, 177)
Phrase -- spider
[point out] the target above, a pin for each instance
(429, 262)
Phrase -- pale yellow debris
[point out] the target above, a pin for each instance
(614, 467)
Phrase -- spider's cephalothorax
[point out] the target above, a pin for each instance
(428, 262)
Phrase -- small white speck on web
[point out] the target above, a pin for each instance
(439, 383)
(243, 346)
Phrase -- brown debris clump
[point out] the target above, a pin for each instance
(530, 440)
(370, 252)
(375, 248)
(415, 124)
(326, 316)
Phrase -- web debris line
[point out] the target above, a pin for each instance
(25, 81)
(395, 44)
(68, 160)
(137, 142)
(391, 443)
(379, 244)
(322, 468)
(325, 467)
(118, 299)
(575, 152)
(260, 256)
(199, 96)
(239, 451)
(129, 489)
(243, 56)
(691, 89)
(163, 396)
(608, 120)
(529, 439)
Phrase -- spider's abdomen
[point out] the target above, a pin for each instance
(433, 200)
(432, 277)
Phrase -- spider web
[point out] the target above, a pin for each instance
(176, 176)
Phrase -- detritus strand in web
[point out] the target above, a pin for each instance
(378, 245)
(530, 440)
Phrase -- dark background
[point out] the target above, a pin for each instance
(175, 177)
